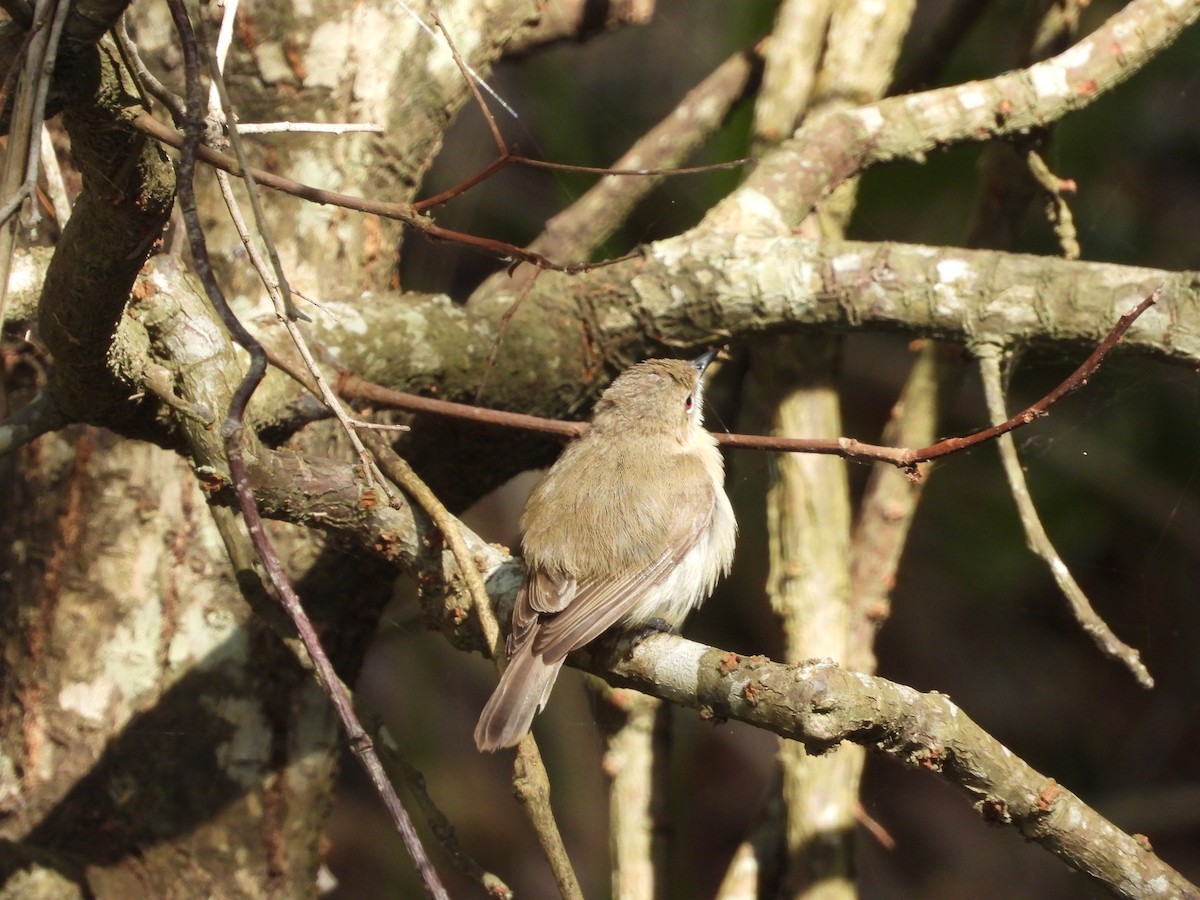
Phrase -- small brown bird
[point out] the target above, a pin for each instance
(631, 525)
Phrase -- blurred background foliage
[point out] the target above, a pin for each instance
(1115, 471)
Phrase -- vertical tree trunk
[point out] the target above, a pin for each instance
(133, 671)
(808, 522)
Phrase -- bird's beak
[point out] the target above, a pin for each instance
(700, 363)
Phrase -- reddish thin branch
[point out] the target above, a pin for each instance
(401, 212)
(1077, 379)
(353, 386)
(600, 170)
(471, 82)
(466, 184)
(410, 214)
(849, 448)
(164, 134)
(508, 157)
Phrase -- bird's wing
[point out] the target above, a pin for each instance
(599, 602)
(541, 594)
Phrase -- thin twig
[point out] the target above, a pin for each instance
(220, 106)
(507, 157)
(277, 285)
(14, 189)
(217, 104)
(243, 556)
(28, 77)
(315, 380)
(1035, 533)
(406, 213)
(1076, 380)
(575, 233)
(55, 186)
(473, 77)
(15, 200)
(401, 212)
(641, 172)
(473, 81)
(165, 134)
(44, 76)
(159, 91)
(515, 159)
(232, 433)
(309, 127)
(531, 786)
(1059, 211)
(402, 474)
(530, 781)
(441, 827)
(353, 386)
(15, 67)
(304, 378)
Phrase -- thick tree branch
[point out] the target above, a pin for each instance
(808, 503)
(830, 149)
(821, 705)
(576, 20)
(128, 190)
(836, 146)
(690, 291)
(698, 292)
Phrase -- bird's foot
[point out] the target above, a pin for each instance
(642, 631)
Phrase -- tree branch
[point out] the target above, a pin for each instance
(1037, 539)
(821, 705)
(128, 191)
(832, 148)
(575, 20)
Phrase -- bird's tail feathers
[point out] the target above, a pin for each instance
(523, 690)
